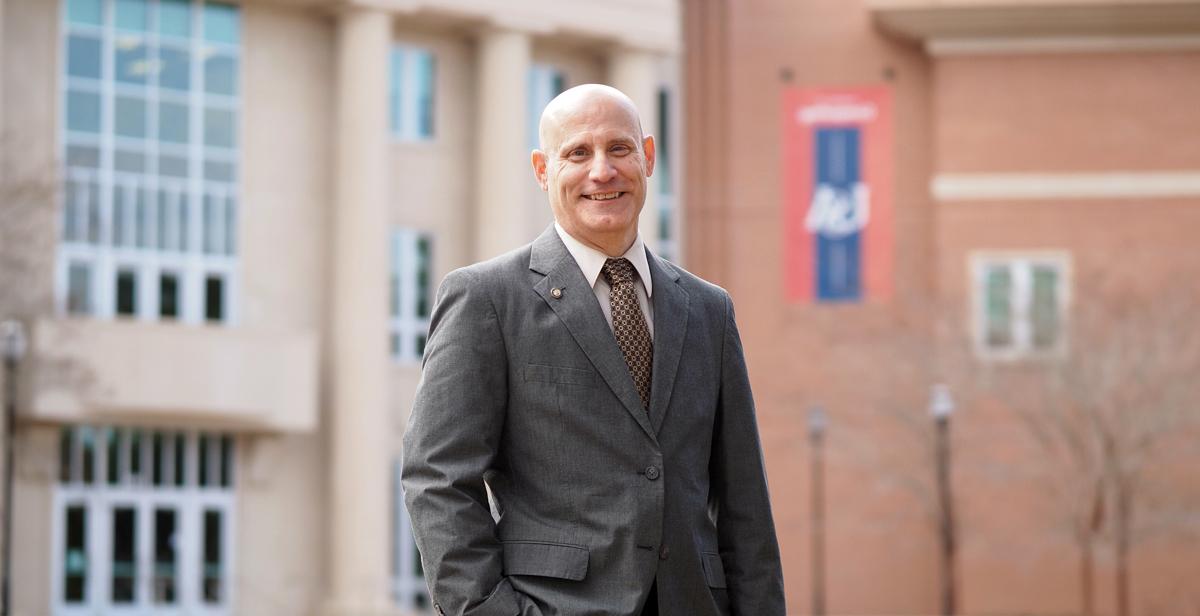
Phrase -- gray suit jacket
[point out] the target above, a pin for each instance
(595, 497)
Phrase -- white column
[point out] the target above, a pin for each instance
(635, 73)
(503, 169)
(358, 471)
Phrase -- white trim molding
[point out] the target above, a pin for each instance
(1043, 186)
(988, 46)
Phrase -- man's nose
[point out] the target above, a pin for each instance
(602, 169)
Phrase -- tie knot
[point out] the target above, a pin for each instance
(617, 270)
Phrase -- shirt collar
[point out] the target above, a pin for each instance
(591, 261)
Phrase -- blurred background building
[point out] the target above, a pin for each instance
(228, 306)
(999, 196)
(959, 234)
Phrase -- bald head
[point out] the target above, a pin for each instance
(593, 164)
(584, 98)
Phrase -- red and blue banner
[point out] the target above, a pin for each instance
(837, 155)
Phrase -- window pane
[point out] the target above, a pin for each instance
(226, 461)
(172, 122)
(131, 59)
(83, 156)
(180, 459)
(64, 455)
(396, 90)
(79, 289)
(168, 296)
(175, 17)
(423, 275)
(998, 306)
(214, 298)
(164, 556)
(85, 12)
(172, 166)
(220, 22)
(130, 117)
(425, 91)
(83, 56)
(124, 563)
(211, 581)
(75, 557)
(131, 14)
(220, 74)
(87, 441)
(218, 128)
(113, 444)
(662, 143)
(420, 345)
(219, 171)
(176, 68)
(202, 461)
(135, 456)
(131, 162)
(1045, 307)
(156, 464)
(126, 292)
(83, 111)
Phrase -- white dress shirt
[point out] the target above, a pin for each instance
(591, 261)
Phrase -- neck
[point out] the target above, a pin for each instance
(613, 244)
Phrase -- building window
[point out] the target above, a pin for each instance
(151, 101)
(1020, 304)
(142, 520)
(545, 82)
(668, 232)
(408, 576)
(412, 86)
(410, 293)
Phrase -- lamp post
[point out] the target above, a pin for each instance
(941, 405)
(817, 423)
(12, 337)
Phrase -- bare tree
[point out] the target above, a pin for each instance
(1107, 415)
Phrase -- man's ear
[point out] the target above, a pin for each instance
(538, 158)
(648, 152)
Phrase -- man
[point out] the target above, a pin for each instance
(600, 393)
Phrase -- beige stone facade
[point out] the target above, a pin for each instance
(295, 369)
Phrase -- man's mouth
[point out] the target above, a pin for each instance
(607, 196)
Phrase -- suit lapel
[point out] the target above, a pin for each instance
(670, 328)
(577, 308)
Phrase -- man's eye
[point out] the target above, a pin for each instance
(578, 153)
(620, 149)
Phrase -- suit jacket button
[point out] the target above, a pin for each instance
(556, 292)
(664, 552)
(651, 473)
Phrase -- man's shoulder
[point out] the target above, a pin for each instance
(696, 286)
(497, 272)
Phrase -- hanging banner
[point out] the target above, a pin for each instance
(837, 155)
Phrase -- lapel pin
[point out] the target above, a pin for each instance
(556, 292)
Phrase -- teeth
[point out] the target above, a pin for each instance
(604, 196)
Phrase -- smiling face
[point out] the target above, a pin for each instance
(593, 165)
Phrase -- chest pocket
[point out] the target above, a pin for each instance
(561, 375)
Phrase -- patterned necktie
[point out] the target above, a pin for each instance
(633, 337)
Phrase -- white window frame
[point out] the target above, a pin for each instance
(97, 247)
(542, 90)
(100, 498)
(1021, 265)
(404, 104)
(404, 320)
(668, 244)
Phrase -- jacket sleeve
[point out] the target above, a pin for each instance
(745, 528)
(452, 439)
